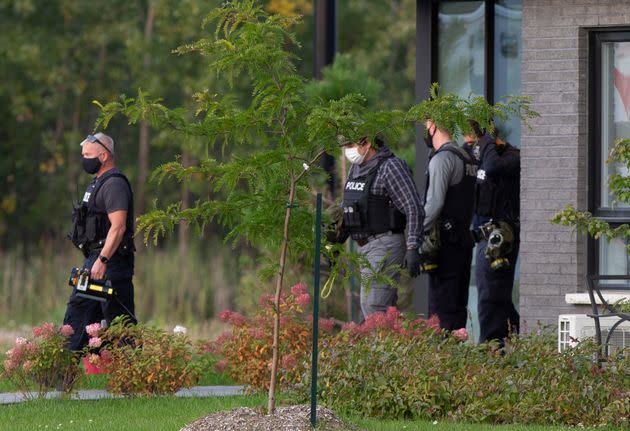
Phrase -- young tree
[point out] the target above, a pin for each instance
(261, 192)
(263, 197)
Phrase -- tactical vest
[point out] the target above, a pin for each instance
(497, 197)
(365, 213)
(90, 226)
(457, 210)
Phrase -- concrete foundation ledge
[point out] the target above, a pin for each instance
(612, 296)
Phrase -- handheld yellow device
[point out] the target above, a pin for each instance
(98, 290)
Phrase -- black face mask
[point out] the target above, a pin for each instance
(91, 166)
(428, 140)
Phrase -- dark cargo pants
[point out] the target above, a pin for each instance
(497, 314)
(81, 312)
(448, 286)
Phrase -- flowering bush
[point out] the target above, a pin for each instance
(42, 360)
(246, 349)
(143, 360)
(392, 367)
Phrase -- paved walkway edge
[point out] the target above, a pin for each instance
(97, 394)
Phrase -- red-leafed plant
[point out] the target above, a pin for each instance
(245, 349)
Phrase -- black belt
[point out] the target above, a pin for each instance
(364, 241)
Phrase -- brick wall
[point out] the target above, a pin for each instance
(554, 153)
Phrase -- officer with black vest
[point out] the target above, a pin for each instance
(496, 227)
(380, 200)
(103, 231)
(448, 207)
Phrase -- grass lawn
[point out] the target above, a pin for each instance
(168, 413)
(151, 414)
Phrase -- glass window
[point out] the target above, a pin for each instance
(613, 260)
(461, 47)
(615, 111)
(609, 95)
(508, 17)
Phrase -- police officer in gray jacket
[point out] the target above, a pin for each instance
(448, 207)
(380, 199)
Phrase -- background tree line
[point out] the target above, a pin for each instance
(58, 56)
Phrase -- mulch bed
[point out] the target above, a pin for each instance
(291, 418)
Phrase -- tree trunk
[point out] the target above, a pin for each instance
(183, 247)
(222, 279)
(143, 166)
(73, 170)
(182, 227)
(143, 143)
(102, 62)
(271, 404)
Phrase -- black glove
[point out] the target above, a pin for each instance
(335, 234)
(412, 262)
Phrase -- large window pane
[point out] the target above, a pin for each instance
(613, 260)
(615, 110)
(508, 17)
(461, 53)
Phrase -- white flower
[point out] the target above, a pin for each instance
(305, 166)
(20, 341)
(179, 329)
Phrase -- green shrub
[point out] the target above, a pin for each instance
(390, 367)
(42, 361)
(396, 368)
(144, 360)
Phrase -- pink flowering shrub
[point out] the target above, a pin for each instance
(42, 360)
(93, 329)
(143, 360)
(460, 333)
(95, 342)
(390, 322)
(245, 349)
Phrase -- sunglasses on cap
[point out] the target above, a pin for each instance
(92, 138)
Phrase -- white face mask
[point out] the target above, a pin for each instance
(353, 156)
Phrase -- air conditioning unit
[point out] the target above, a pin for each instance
(573, 328)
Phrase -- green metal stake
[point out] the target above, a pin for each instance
(318, 238)
(354, 290)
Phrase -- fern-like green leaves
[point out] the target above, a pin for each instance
(452, 113)
(585, 222)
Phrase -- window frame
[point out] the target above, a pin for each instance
(614, 217)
